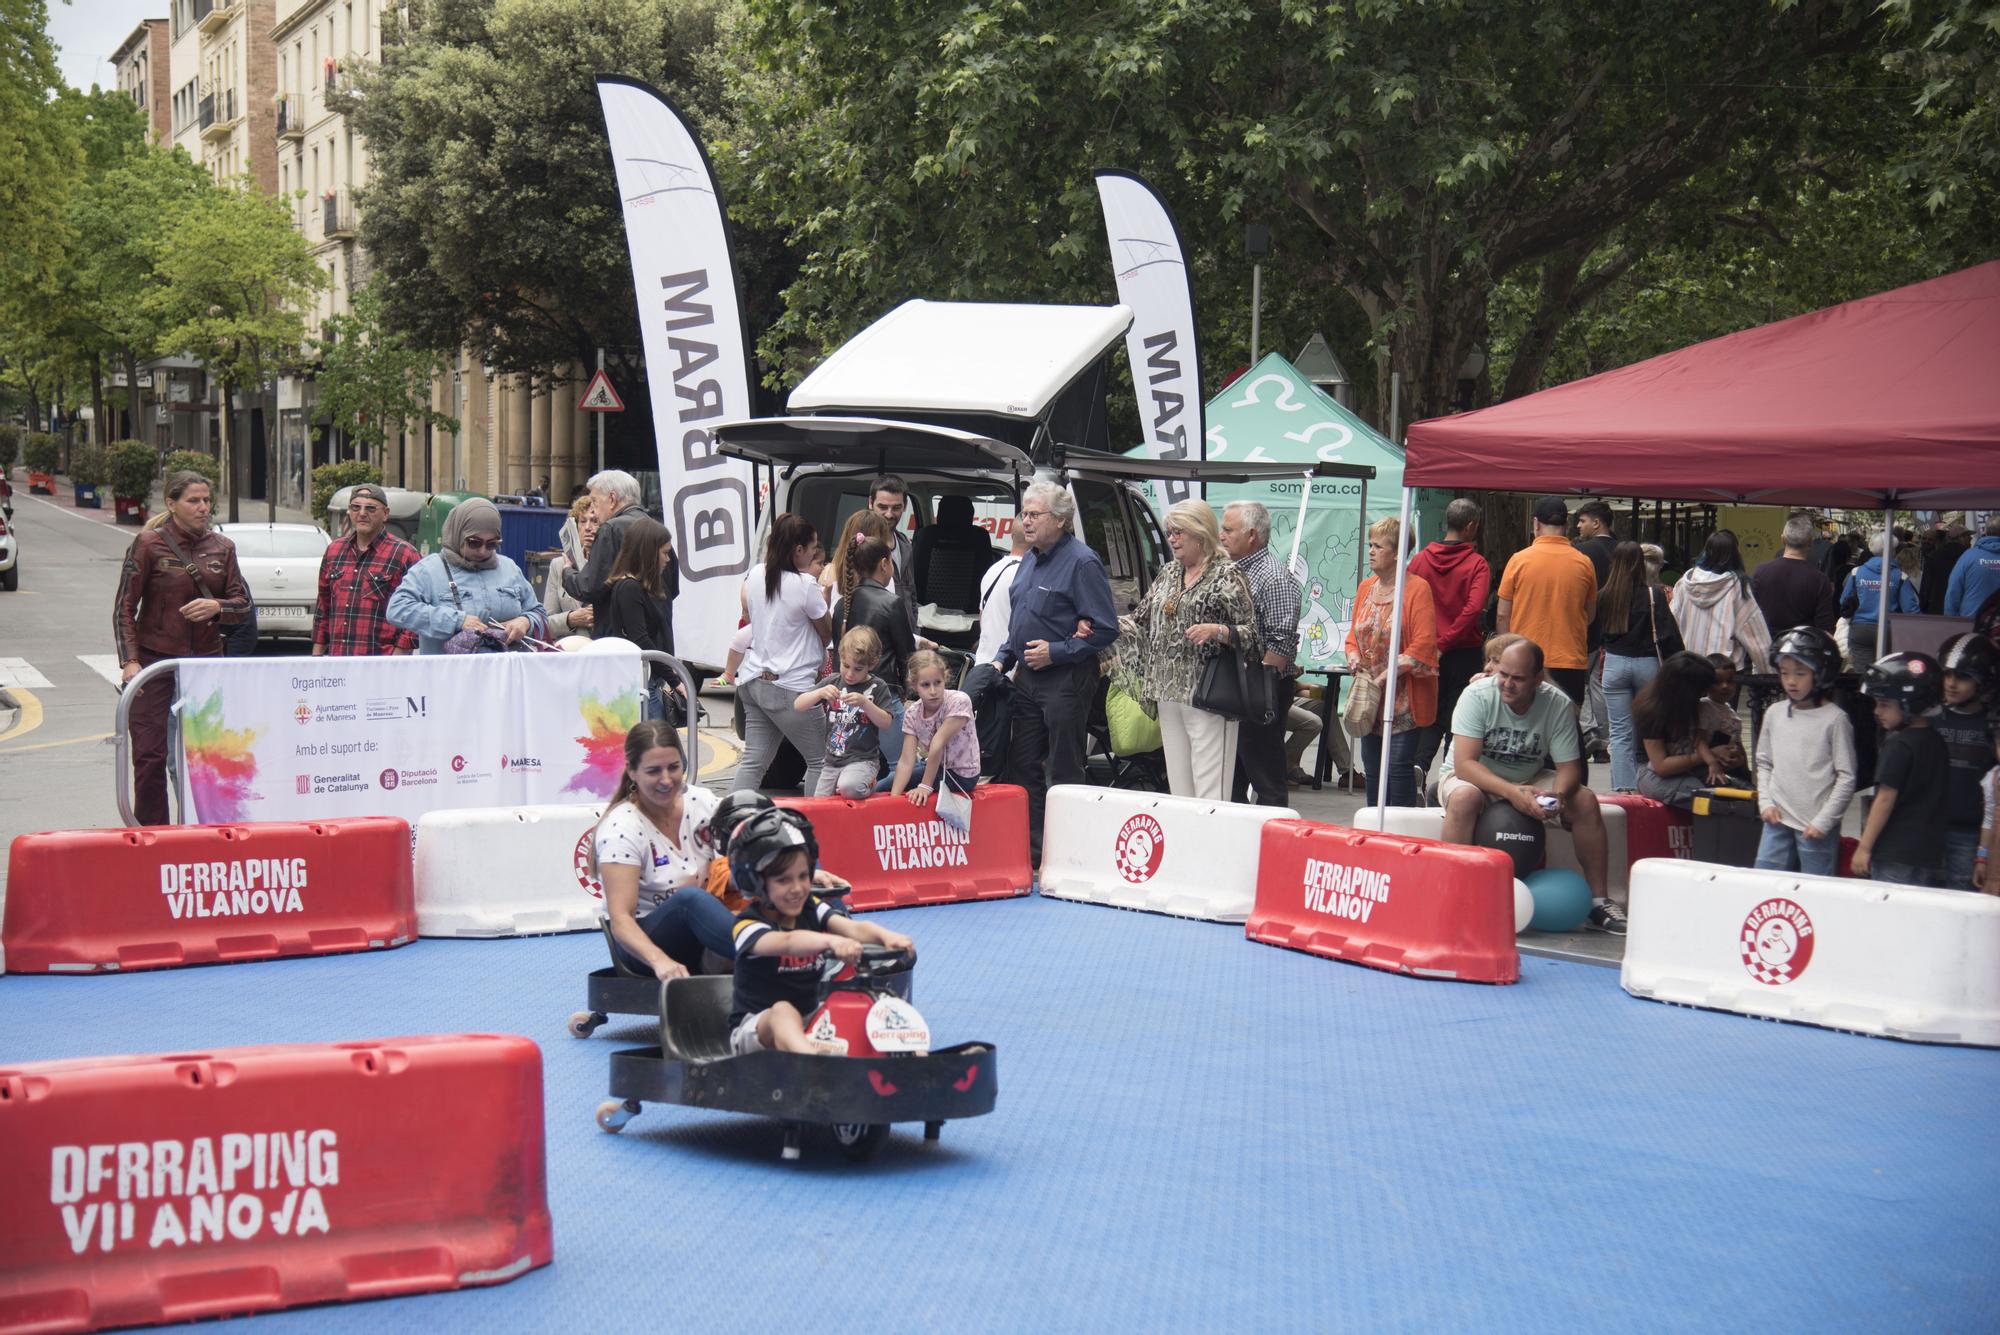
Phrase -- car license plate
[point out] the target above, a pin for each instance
(289, 611)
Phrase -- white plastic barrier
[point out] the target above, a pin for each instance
(505, 871)
(1149, 851)
(1886, 960)
(1428, 823)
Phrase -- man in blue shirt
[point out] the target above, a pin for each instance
(1062, 617)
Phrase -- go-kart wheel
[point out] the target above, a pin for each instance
(860, 1141)
(584, 1023)
(613, 1114)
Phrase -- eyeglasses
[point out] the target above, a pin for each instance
(481, 544)
(365, 508)
(1034, 514)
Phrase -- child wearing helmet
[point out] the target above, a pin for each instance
(730, 813)
(782, 935)
(1805, 759)
(1971, 669)
(1903, 842)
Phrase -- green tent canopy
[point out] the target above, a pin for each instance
(1272, 413)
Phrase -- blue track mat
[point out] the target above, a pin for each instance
(1193, 1132)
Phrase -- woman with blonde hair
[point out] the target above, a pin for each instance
(1200, 606)
(1415, 706)
(567, 615)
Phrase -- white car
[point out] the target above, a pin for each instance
(280, 563)
(10, 558)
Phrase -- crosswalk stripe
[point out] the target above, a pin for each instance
(19, 672)
(104, 665)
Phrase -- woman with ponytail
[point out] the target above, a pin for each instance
(652, 851)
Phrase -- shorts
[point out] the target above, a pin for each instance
(1573, 681)
(743, 1038)
(1451, 783)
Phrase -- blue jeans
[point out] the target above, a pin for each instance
(1402, 766)
(681, 925)
(1961, 847)
(1784, 849)
(1624, 678)
(892, 746)
(1902, 873)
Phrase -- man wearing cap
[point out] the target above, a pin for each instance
(1548, 593)
(356, 576)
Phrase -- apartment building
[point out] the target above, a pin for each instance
(144, 70)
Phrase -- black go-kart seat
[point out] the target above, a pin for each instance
(694, 1017)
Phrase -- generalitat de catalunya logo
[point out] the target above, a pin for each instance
(1141, 844)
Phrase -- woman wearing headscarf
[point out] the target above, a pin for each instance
(467, 585)
(568, 616)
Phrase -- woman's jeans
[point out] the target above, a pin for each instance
(1784, 849)
(892, 748)
(1624, 678)
(768, 719)
(1402, 766)
(682, 924)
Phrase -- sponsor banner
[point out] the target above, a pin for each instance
(697, 360)
(1147, 256)
(268, 739)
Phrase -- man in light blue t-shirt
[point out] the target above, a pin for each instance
(1506, 730)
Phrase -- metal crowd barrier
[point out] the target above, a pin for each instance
(121, 729)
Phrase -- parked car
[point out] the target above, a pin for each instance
(10, 557)
(280, 563)
(976, 400)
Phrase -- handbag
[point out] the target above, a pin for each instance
(1230, 688)
(1132, 731)
(1363, 715)
(955, 809)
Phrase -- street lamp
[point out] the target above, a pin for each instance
(1257, 244)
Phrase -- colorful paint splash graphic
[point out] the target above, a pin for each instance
(221, 766)
(605, 723)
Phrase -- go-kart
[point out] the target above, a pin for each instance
(623, 990)
(876, 1066)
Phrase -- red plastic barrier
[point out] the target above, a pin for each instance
(1408, 905)
(1652, 829)
(136, 1190)
(898, 854)
(79, 901)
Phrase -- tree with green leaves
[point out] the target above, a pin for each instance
(493, 211)
(373, 381)
(234, 281)
(1411, 157)
(38, 152)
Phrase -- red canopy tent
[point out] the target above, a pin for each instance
(1891, 400)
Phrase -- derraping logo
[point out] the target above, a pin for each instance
(1140, 847)
(580, 860)
(1776, 942)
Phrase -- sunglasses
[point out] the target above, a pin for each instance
(481, 544)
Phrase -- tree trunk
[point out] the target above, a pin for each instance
(135, 397)
(100, 408)
(230, 465)
(269, 408)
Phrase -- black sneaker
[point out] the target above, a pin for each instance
(1607, 915)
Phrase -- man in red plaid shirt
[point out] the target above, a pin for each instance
(356, 577)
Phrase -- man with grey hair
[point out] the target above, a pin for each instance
(1789, 589)
(614, 498)
(1260, 747)
(1061, 617)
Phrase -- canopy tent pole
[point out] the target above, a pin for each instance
(1395, 652)
(1299, 529)
(1882, 601)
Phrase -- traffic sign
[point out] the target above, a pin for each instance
(600, 397)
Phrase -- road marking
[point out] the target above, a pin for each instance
(43, 746)
(30, 716)
(104, 665)
(19, 672)
(70, 511)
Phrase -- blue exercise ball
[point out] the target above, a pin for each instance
(1562, 899)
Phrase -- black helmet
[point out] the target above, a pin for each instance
(1972, 656)
(732, 811)
(1814, 649)
(1911, 680)
(761, 840)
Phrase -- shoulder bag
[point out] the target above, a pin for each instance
(1363, 715)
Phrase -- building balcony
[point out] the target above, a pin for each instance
(337, 214)
(218, 113)
(210, 15)
(291, 117)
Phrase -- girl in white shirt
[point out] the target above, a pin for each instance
(788, 634)
(652, 852)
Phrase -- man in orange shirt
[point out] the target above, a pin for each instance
(1549, 594)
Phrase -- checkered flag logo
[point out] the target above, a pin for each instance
(1776, 942)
